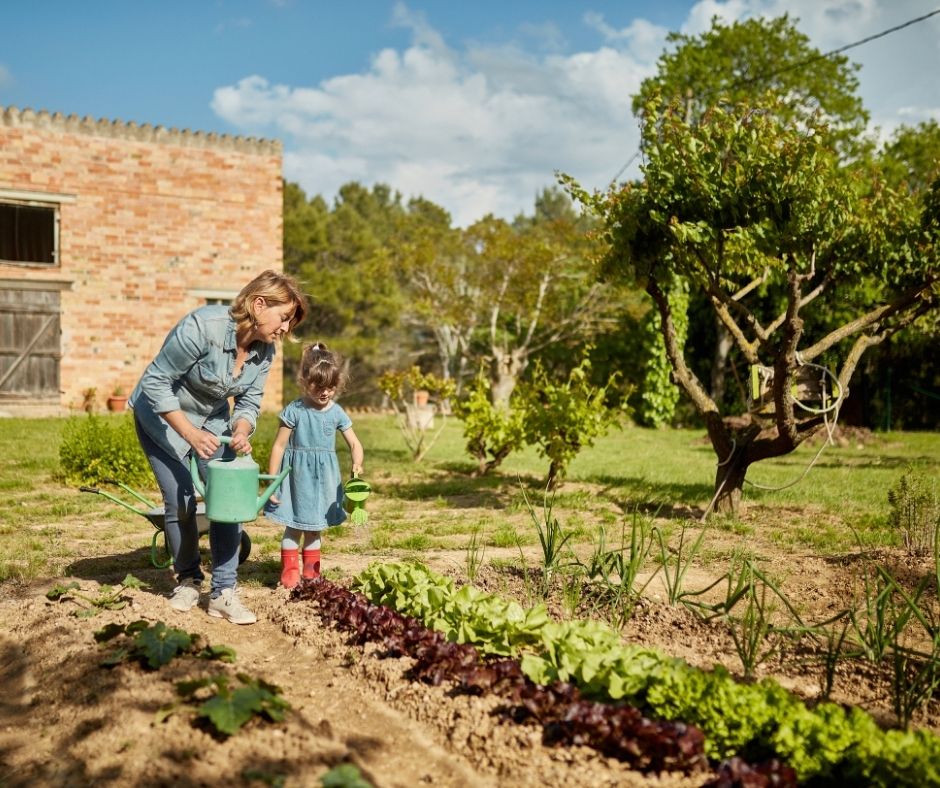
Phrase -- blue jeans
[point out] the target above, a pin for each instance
(180, 527)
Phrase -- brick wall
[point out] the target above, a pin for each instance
(153, 222)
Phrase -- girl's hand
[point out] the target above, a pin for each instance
(205, 444)
(356, 469)
(275, 500)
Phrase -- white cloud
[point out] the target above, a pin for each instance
(482, 128)
(477, 130)
(644, 39)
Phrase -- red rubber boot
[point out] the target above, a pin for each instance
(311, 564)
(290, 568)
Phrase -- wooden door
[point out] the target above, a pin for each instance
(30, 347)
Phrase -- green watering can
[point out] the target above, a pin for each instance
(231, 488)
(357, 491)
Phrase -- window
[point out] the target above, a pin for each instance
(215, 296)
(28, 234)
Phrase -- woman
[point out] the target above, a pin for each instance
(181, 405)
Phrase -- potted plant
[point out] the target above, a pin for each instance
(117, 402)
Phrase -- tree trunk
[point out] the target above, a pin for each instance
(733, 440)
(554, 478)
(507, 367)
(729, 484)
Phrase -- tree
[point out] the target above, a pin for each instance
(912, 156)
(905, 371)
(562, 418)
(742, 201)
(444, 297)
(341, 256)
(738, 63)
(537, 288)
(501, 291)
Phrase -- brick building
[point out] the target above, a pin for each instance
(109, 233)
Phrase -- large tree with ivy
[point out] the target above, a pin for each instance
(744, 201)
(737, 63)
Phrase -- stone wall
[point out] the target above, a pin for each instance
(153, 222)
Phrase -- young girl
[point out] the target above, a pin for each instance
(310, 499)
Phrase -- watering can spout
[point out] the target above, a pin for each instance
(273, 486)
(231, 487)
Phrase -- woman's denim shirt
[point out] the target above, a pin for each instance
(193, 373)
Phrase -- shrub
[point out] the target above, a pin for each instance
(492, 432)
(915, 512)
(95, 448)
(561, 419)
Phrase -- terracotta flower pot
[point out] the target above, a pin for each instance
(117, 404)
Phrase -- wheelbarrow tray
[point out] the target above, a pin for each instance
(156, 515)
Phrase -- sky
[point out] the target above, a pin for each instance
(472, 105)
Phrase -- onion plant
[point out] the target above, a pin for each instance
(552, 538)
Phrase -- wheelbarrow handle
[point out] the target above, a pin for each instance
(88, 489)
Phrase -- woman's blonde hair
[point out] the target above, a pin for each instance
(275, 288)
(321, 368)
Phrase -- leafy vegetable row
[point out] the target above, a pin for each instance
(619, 731)
(754, 721)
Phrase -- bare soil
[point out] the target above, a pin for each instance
(65, 720)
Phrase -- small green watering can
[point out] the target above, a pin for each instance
(357, 491)
(231, 488)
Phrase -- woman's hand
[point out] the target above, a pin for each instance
(205, 444)
(356, 468)
(241, 433)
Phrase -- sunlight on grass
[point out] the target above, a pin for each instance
(435, 504)
(504, 536)
(413, 542)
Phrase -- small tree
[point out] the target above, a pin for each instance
(492, 431)
(404, 390)
(563, 418)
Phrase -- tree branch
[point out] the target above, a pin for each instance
(757, 282)
(685, 377)
(804, 300)
(898, 305)
(748, 349)
(785, 361)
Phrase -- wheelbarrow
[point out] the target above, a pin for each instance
(157, 517)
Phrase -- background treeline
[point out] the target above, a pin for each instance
(359, 261)
(395, 284)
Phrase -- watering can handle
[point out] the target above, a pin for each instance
(227, 439)
(194, 468)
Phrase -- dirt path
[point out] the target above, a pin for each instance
(69, 721)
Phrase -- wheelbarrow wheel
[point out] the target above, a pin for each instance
(245, 549)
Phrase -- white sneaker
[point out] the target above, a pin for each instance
(228, 606)
(185, 595)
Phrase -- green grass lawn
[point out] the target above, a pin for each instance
(436, 505)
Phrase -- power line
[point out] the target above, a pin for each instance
(802, 63)
(629, 162)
